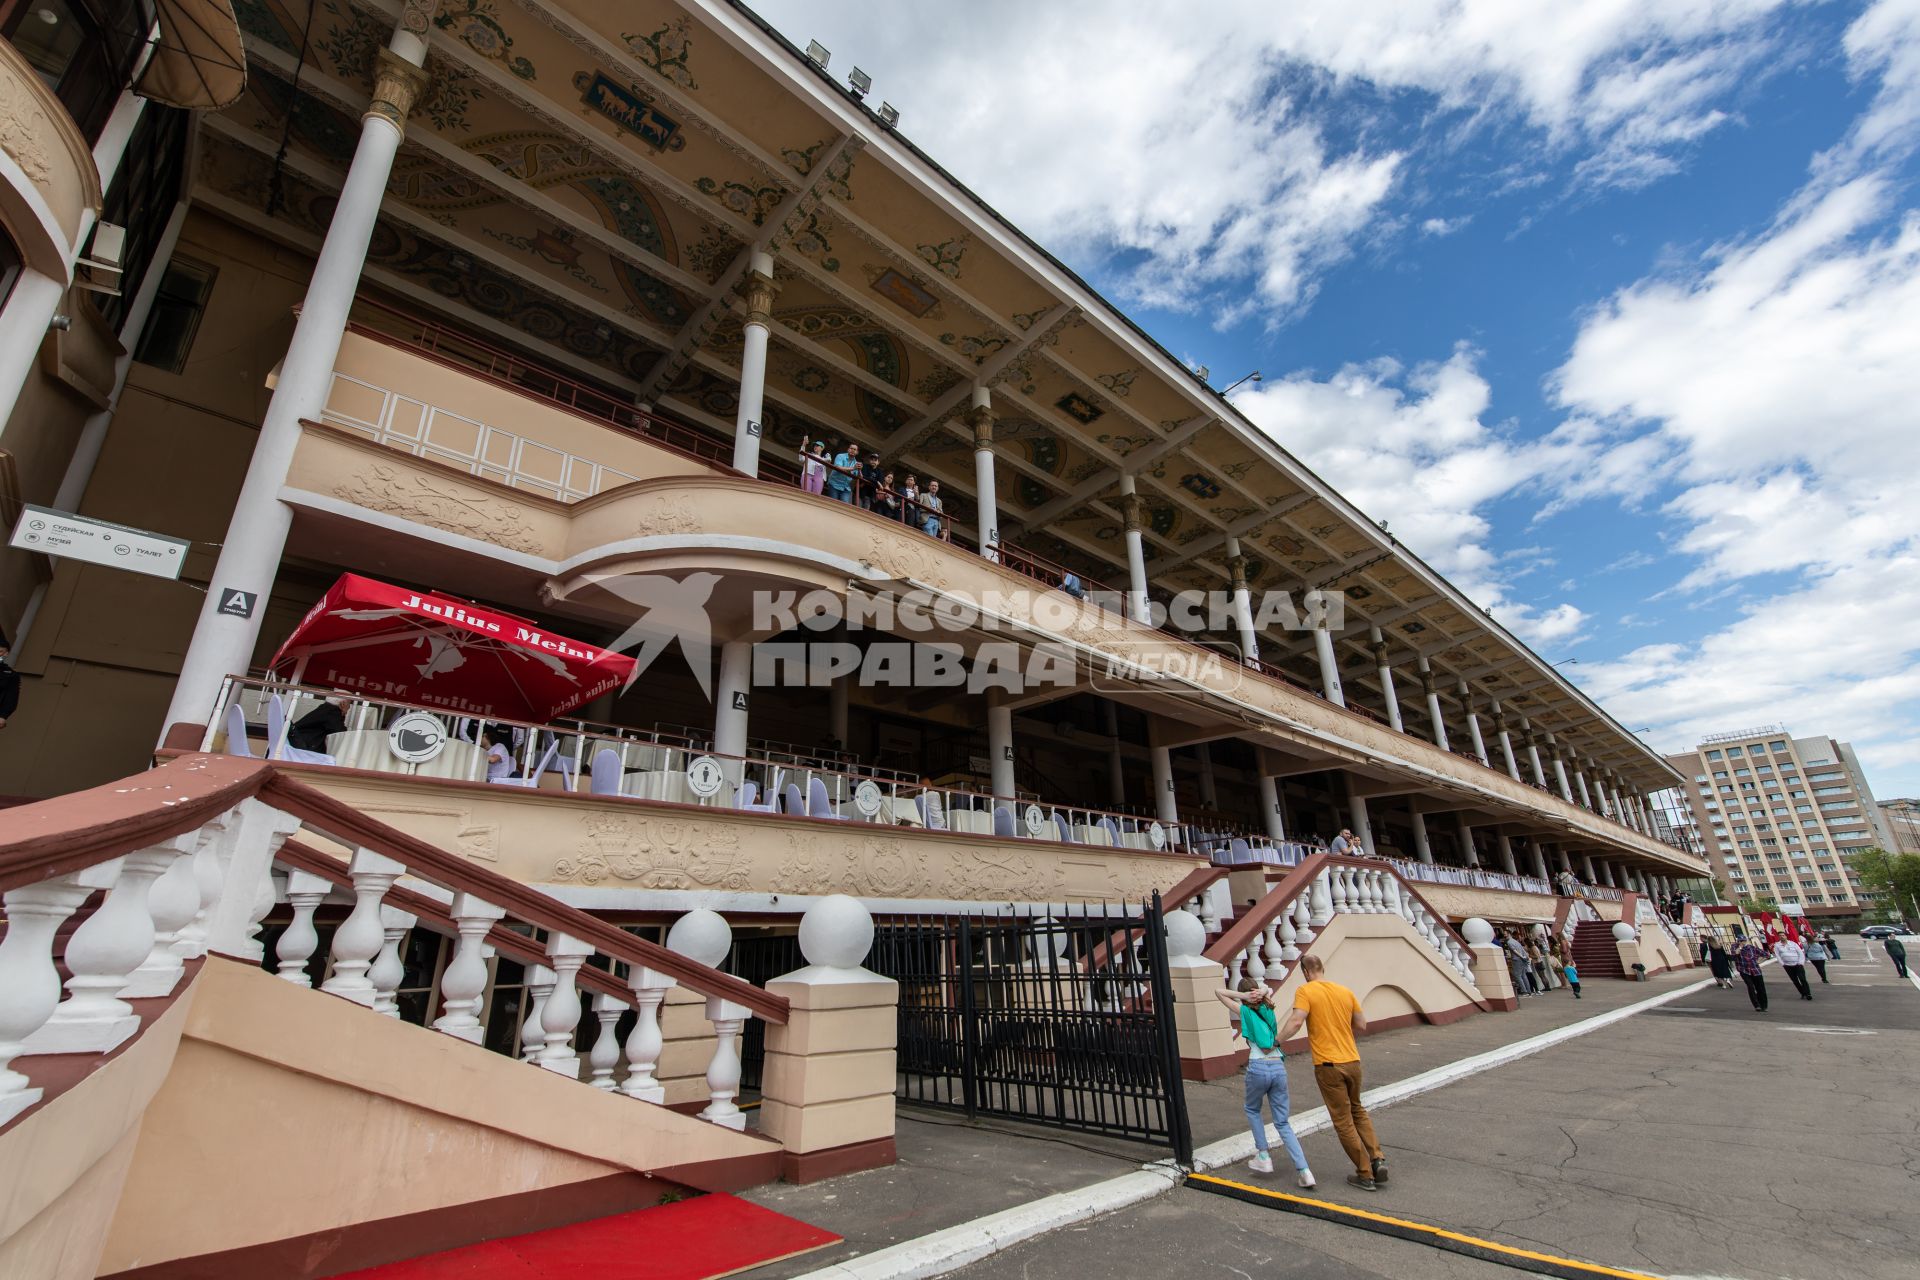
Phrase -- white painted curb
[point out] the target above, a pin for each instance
(939, 1252)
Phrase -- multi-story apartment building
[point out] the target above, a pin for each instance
(1901, 818)
(408, 421)
(1777, 815)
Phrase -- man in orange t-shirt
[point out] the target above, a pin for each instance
(1332, 1016)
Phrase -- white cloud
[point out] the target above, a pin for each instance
(1770, 387)
(1444, 226)
(1197, 150)
(1414, 443)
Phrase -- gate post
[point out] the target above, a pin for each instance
(828, 1082)
(1208, 1050)
(1161, 926)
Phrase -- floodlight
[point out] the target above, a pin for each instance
(818, 54)
(860, 82)
(889, 114)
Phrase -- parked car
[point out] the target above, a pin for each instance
(1876, 931)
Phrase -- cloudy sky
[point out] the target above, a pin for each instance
(1610, 307)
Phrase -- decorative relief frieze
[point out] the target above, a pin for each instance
(445, 504)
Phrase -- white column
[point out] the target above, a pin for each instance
(1504, 847)
(1362, 823)
(753, 363)
(986, 492)
(1167, 805)
(1329, 665)
(1586, 867)
(1533, 753)
(1606, 875)
(29, 313)
(1271, 806)
(1000, 744)
(1242, 604)
(1385, 669)
(1560, 776)
(1433, 705)
(1209, 789)
(1539, 859)
(224, 637)
(1473, 726)
(1466, 839)
(1137, 603)
(1586, 796)
(1506, 742)
(1116, 763)
(1422, 848)
(730, 691)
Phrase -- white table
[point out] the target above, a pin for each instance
(367, 749)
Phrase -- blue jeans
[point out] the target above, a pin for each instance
(1267, 1080)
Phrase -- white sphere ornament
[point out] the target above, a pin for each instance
(701, 935)
(1623, 932)
(1050, 940)
(1477, 932)
(1186, 936)
(836, 932)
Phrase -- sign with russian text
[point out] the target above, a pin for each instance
(60, 533)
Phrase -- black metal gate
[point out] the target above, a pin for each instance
(760, 959)
(1056, 1021)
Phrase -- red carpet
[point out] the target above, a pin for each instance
(710, 1235)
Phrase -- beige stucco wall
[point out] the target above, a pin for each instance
(1458, 902)
(297, 1112)
(552, 838)
(1387, 965)
(61, 1168)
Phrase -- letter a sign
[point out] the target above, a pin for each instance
(235, 603)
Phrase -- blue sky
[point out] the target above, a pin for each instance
(1611, 309)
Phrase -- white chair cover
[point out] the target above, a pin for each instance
(605, 777)
(237, 732)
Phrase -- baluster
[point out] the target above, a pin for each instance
(29, 981)
(1256, 965)
(465, 980)
(209, 873)
(101, 956)
(605, 1054)
(1236, 969)
(298, 942)
(723, 1073)
(561, 1015)
(359, 938)
(644, 1042)
(1273, 955)
(533, 1036)
(1303, 918)
(1364, 887)
(1289, 936)
(171, 902)
(388, 969)
(1391, 900)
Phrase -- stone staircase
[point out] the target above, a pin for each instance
(1595, 952)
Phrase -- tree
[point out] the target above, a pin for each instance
(1895, 874)
(1757, 905)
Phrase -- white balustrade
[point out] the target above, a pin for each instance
(172, 900)
(359, 938)
(1289, 935)
(1272, 955)
(605, 1054)
(29, 980)
(1321, 902)
(209, 878)
(1303, 918)
(464, 982)
(101, 956)
(644, 1042)
(560, 1016)
(299, 940)
(1255, 963)
(389, 969)
(533, 1035)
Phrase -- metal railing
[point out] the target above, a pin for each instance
(663, 766)
(1470, 877)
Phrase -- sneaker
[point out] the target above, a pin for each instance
(1305, 1180)
(1365, 1184)
(1380, 1170)
(1262, 1163)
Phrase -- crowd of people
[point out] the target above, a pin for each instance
(836, 469)
(1749, 951)
(1538, 964)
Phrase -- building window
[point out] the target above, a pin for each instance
(83, 50)
(11, 264)
(142, 198)
(1713, 755)
(177, 308)
(1735, 751)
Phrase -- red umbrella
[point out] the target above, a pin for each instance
(439, 651)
